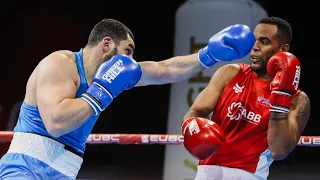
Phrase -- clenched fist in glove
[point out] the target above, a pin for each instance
(284, 68)
(112, 78)
(233, 42)
(202, 137)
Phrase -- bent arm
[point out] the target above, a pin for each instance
(175, 69)
(284, 130)
(61, 112)
(208, 98)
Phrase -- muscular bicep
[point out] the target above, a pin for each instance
(54, 84)
(299, 113)
(208, 98)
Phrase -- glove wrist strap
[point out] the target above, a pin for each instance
(205, 59)
(280, 102)
(97, 97)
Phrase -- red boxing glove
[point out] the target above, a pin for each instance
(284, 68)
(202, 137)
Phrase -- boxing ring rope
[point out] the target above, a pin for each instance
(170, 139)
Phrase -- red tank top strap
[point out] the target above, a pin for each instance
(244, 68)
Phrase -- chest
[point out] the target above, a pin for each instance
(245, 100)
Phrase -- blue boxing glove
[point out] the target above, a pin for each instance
(231, 43)
(112, 78)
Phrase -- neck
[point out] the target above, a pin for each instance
(264, 76)
(91, 61)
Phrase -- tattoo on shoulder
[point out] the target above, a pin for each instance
(303, 111)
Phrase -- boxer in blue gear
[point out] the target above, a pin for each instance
(67, 91)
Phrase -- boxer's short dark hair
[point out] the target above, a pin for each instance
(284, 29)
(109, 28)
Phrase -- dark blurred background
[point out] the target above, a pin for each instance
(30, 30)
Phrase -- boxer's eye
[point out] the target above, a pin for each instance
(264, 40)
(129, 51)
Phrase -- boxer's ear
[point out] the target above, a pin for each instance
(107, 44)
(285, 48)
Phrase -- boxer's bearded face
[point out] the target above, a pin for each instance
(125, 47)
(265, 46)
(113, 52)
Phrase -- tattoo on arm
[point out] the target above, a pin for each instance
(275, 116)
(303, 113)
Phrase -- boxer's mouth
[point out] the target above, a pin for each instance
(254, 58)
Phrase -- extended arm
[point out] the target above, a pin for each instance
(56, 89)
(170, 70)
(229, 44)
(284, 130)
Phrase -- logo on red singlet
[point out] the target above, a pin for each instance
(263, 101)
(236, 112)
(237, 89)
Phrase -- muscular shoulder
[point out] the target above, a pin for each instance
(227, 72)
(59, 63)
(232, 69)
(60, 57)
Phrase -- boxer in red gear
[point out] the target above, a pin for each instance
(258, 107)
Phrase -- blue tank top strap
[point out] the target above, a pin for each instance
(79, 61)
(81, 72)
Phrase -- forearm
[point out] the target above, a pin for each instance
(196, 113)
(190, 114)
(175, 69)
(281, 136)
(181, 68)
(69, 115)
